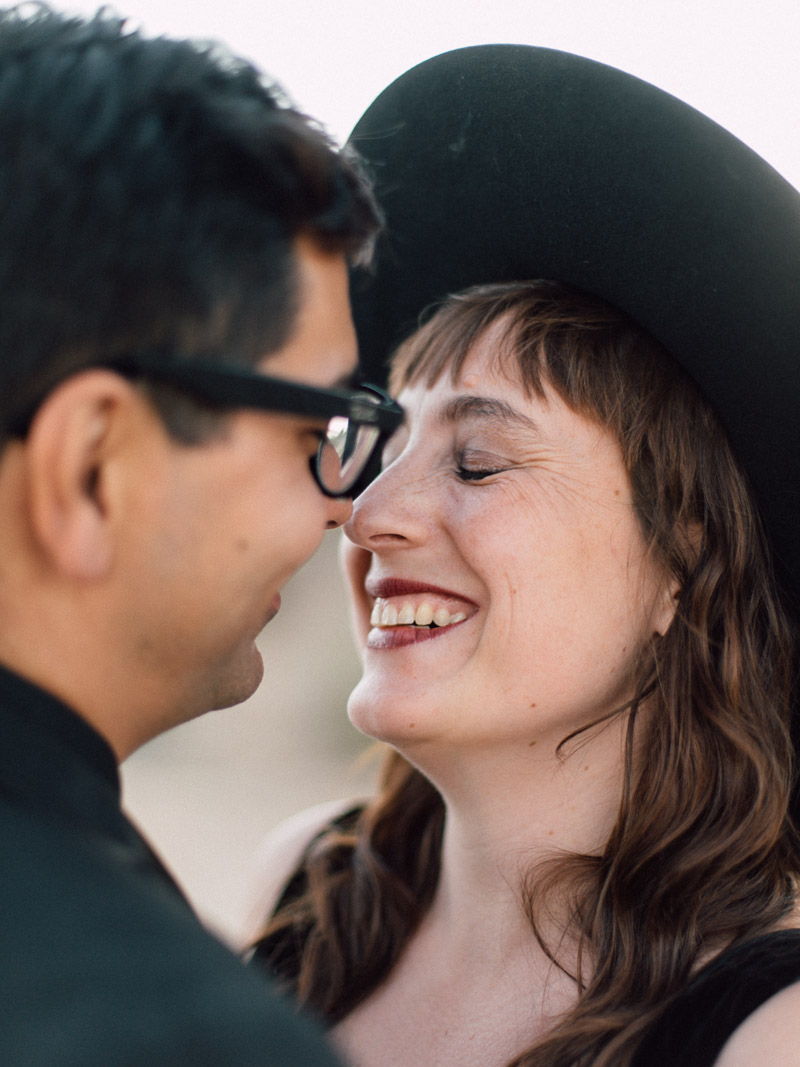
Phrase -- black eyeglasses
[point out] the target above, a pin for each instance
(360, 420)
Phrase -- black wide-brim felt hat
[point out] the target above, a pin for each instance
(510, 162)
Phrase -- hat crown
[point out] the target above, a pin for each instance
(507, 162)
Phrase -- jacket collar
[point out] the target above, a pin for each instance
(53, 763)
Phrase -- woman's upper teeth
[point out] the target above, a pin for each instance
(413, 612)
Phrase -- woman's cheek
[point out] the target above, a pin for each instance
(355, 564)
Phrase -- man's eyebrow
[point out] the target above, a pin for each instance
(487, 408)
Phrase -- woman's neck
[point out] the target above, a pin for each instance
(474, 986)
(506, 815)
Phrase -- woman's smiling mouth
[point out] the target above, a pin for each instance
(405, 612)
(386, 613)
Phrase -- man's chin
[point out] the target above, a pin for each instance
(241, 683)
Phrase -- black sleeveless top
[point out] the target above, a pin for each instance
(694, 1026)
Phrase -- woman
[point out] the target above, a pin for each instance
(594, 732)
(581, 846)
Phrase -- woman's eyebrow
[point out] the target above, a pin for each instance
(487, 408)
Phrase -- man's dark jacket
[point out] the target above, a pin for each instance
(102, 961)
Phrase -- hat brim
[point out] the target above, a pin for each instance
(508, 162)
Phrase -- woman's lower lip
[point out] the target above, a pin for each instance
(401, 636)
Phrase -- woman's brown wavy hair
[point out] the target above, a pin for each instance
(703, 852)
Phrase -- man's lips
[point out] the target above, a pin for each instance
(274, 607)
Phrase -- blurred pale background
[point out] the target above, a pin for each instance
(207, 792)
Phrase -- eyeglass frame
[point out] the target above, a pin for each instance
(227, 385)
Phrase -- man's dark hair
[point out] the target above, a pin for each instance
(150, 194)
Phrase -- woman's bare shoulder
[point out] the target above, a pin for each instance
(769, 1035)
(277, 858)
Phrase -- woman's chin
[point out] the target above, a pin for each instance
(385, 717)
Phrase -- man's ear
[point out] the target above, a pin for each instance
(69, 451)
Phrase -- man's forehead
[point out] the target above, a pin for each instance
(321, 348)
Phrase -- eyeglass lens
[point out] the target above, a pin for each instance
(345, 451)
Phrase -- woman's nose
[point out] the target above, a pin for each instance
(390, 512)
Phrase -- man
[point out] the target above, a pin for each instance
(174, 324)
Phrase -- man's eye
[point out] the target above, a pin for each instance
(313, 438)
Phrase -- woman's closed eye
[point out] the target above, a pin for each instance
(476, 466)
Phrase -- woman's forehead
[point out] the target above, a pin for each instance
(480, 395)
(488, 392)
(457, 356)
(492, 357)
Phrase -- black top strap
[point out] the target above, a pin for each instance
(280, 955)
(695, 1026)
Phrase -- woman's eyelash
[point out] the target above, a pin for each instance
(473, 465)
(474, 474)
